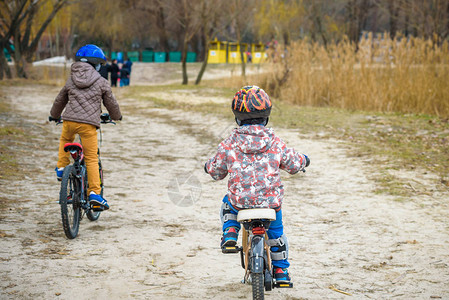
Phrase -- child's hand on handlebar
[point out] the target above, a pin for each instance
(106, 118)
(307, 160)
(56, 120)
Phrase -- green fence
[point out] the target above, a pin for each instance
(133, 55)
(147, 56)
(174, 56)
(160, 57)
(191, 57)
(112, 56)
(151, 56)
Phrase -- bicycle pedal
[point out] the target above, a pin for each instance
(284, 285)
(97, 207)
(230, 249)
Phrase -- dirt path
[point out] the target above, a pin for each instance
(158, 242)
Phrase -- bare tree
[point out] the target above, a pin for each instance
(102, 22)
(186, 12)
(27, 33)
(210, 13)
(11, 16)
(357, 17)
(241, 23)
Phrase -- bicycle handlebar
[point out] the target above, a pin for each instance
(105, 119)
(57, 121)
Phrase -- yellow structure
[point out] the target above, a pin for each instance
(234, 56)
(258, 53)
(217, 52)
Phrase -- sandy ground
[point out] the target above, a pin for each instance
(160, 239)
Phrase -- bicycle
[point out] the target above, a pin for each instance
(255, 253)
(73, 197)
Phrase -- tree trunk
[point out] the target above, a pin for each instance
(19, 61)
(203, 69)
(4, 68)
(50, 40)
(407, 20)
(185, 78)
(447, 22)
(57, 40)
(242, 57)
(352, 19)
(163, 39)
(203, 53)
(393, 9)
(204, 64)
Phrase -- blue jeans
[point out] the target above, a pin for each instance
(124, 81)
(275, 231)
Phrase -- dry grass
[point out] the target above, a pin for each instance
(389, 141)
(407, 76)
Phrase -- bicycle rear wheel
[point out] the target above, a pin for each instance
(69, 199)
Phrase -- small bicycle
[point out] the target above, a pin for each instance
(255, 253)
(73, 196)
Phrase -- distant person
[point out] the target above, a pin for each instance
(105, 70)
(115, 70)
(128, 64)
(249, 57)
(124, 76)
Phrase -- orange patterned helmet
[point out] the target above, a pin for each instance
(251, 102)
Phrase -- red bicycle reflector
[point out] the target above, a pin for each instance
(258, 230)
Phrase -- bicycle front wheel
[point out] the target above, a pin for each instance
(69, 199)
(257, 285)
(94, 215)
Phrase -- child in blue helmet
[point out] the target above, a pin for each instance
(79, 105)
(253, 156)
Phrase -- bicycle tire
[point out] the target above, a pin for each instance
(94, 215)
(69, 199)
(258, 286)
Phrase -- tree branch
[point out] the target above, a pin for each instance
(60, 4)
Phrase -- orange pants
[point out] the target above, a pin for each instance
(88, 134)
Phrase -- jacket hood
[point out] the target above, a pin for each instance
(253, 138)
(84, 75)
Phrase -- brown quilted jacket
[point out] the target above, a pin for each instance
(82, 96)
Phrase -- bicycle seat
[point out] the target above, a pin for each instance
(75, 149)
(256, 213)
(69, 147)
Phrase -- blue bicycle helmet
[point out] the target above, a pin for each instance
(91, 54)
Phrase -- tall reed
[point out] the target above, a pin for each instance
(400, 75)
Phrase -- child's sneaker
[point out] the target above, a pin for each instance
(99, 200)
(281, 275)
(59, 172)
(230, 236)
